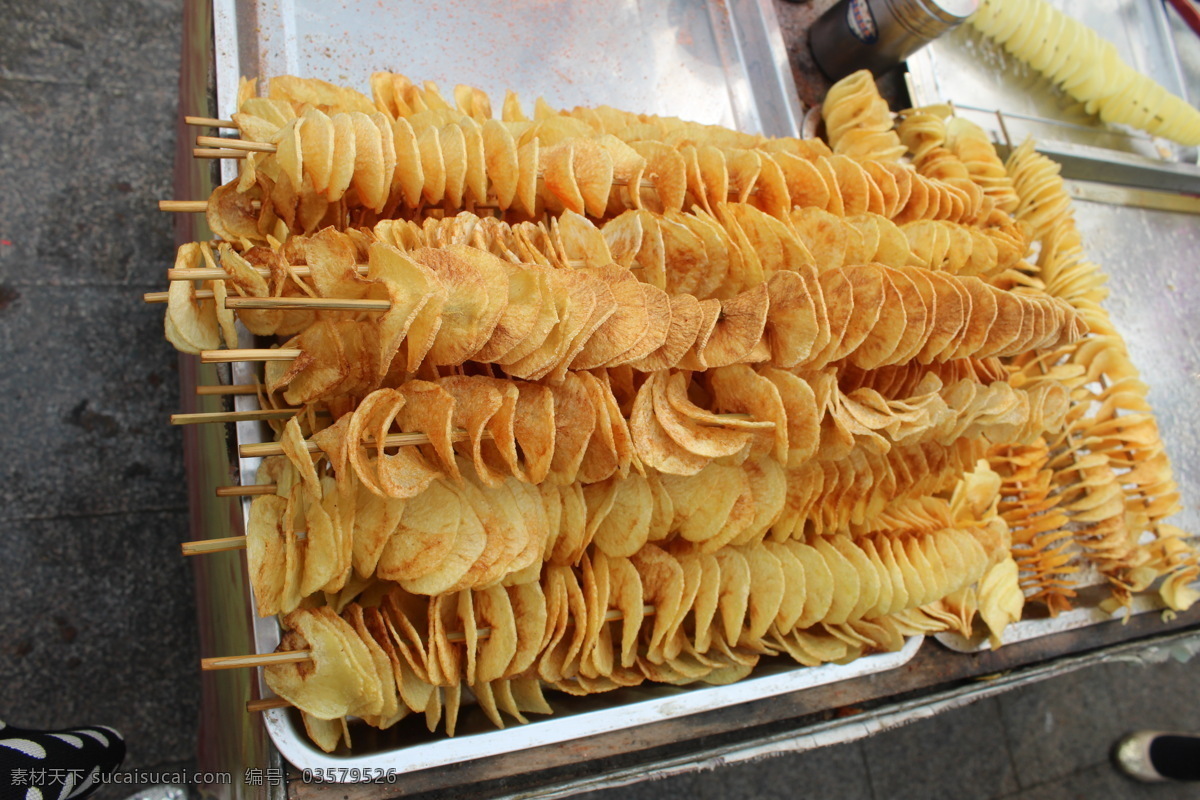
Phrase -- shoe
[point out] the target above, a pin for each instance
(65, 764)
(1157, 756)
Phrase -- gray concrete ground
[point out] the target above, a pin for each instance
(97, 622)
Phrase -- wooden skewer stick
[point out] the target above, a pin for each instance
(198, 206)
(246, 491)
(222, 390)
(217, 152)
(236, 144)
(248, 354)
(297, 656)
(262, 660)
(315, 303)
(210, 122)
(253, 415)
(266, 704)
(266, 449)
(213, 545)
(163, 297)
(193, 206)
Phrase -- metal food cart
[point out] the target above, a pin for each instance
(720, 61)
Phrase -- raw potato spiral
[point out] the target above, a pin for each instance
(1086, 67)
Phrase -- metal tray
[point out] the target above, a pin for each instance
(411, 748)
(720, 62)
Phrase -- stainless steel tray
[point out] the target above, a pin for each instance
(721, 61)
(574, 718)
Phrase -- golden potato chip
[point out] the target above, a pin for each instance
(628, 167)
(530, 616)
(410, 287)
(913, 582)
(767, 591)
(507, 536)
(389, 702)
(846, 582)
(818, 582)
(619, 332)
(983, 315)
(654, 446)
(889, 328)
(666, 172)
(500, 152)
(708, 597)
(576, 300)
(739, 389)
(734, 598)
(868, 287)
(768, 487)
(470, 540)
(574, 421)
(771, 190)
(706, 441)
(475, 403)
(791, 605)
(836, 205)
(805, 185)
(625, 595)
(662, 587)
(600, 459)
(714, 176)
(376, 519)
(623, 237)
(344, 154)
(626, 527)
(703, 501)
(738, 329)
(190, 323)
(556, 163)
(686, 258)
(792, 326)
(317, 147)
(429, 409)
(329, 684)
(868, 576)
(494, 610)
(534, 429)
(453, 144)
(658, 325)
(265, 552)
(718, 262)
(886, 596)
(321, 368)
(681, 333)
(299, 92)
(425, 535)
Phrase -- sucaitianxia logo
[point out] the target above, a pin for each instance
(862, 22)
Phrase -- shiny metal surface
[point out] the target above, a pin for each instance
(1150, 256)
(979, 77)
(720, 62)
